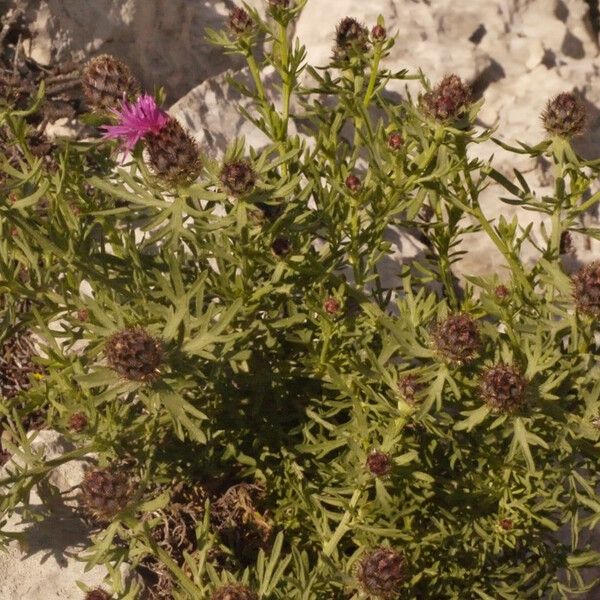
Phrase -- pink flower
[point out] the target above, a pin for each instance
(136, 120)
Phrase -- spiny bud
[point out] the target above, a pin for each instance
(331, 305)
(409, 386)
(97, 594)
(104, 493)
(238, 177)
(564, 115)
(382, 572)
(173, 154)
(134, 354)
(78, 422)
(501, 292)
(281, 247)
(240, 21)
(503, 387)
(378, 33)
(448, 101)
(350, 36)
(107, 81)
(234, 592)
(353, 183)
(586, 289)
(379, 463)
(395, 140)
(456, 338)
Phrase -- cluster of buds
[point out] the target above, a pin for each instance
(105, 493)
(448, 101)
(456, 338)
(503, 388)
(565, 115)
(174, 155)
(350, 38)
(234, 592)
(238, 177)
(379, 463)
(134, 354)
(382, 572)
(586, 289)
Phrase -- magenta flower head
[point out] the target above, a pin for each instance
(136, 120)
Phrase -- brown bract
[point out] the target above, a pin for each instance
(104, 493)
(448, 101)
(503, 388)
(565, 115)
(350, 36)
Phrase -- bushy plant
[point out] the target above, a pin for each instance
(269, 417)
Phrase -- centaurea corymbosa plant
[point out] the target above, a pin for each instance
(272, 415)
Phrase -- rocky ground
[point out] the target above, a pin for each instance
(515, 53)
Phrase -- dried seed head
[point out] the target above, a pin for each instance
(134, 354)
(456, 338)
(173, 154)
(239, 523)
(409, 386)
(379, 463)
(395, 140)
(566, 243)
(107, 81)
(331, 305)
(238, 177)
(234, 592)
(281, 247)
(448, 101)
(240, 21)
(97, 594)
(564, 115)
(104, 493)
(353, 183)
(17, 366)
(586, 289)
(503, 388)
(378, 33)
(78, 422)
(382, 572)
(350, 37)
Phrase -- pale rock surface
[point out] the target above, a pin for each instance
(44, 565)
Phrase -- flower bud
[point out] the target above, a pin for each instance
(378, 33)
(448, 101)
(409, 386)
(331, 305)
(564, 115)
(104, 493)
(83, 314)
(238, 177)
(457, 338)
(173, 154)
(97, 594)
(586, 289)
(134, 354)
(382, 572)
(501, 292)
(78, 422)
(506, 524)
(395, 140)
(350, 37)
(566, 243)
(503, 388)
(234, 592)
(240, 21)
(379, 463)
(107, 81)
(281, 247)
(353, 183)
